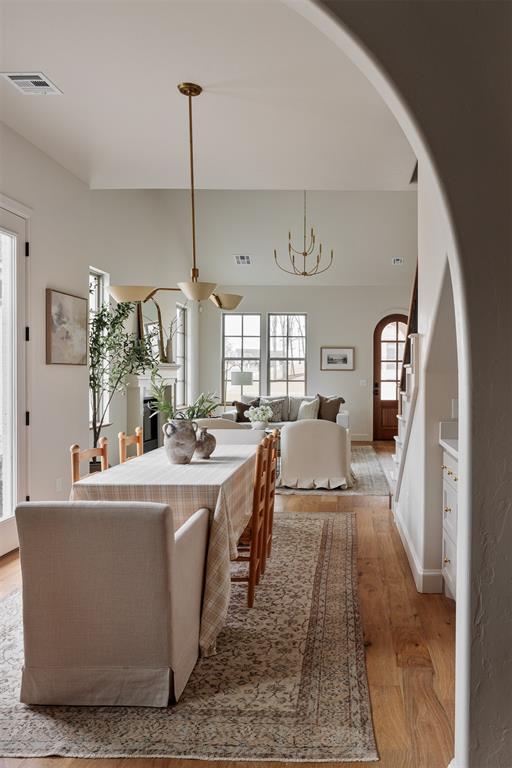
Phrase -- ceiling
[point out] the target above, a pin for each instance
(283, 108)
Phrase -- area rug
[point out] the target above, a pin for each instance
(368, 476)
(288, 682)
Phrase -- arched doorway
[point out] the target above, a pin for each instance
(388, 352)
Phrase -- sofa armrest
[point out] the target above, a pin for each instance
(342, 418)
(231, 415)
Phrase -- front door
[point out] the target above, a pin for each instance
(388, 352)
(12, 375)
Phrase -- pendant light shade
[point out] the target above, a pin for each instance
(226, 300)
(122, 293)
(196, 291)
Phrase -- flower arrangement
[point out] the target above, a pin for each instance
(261, 413)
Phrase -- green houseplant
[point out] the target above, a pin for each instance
(114, 354)
(202, 408)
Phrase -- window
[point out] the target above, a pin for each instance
(241, 351)
(181, 354)
(287, 354)
(392, 342)
(97, 297)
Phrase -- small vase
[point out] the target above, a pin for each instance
(205, 444)
(259, 424)
(179, 440)
(169, 351)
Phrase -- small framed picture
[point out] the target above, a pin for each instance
(66, 328)
(336, 358)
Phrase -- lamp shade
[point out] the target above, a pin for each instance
(196, 291)
(226, 300)
(122, 293)
(241, 378)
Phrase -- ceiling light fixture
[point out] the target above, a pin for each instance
(193, 289)
(304, 254)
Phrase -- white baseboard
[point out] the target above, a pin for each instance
(358, 438)
(429, 581)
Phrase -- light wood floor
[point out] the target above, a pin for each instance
(409, 642)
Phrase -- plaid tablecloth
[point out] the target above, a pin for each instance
(222, 484)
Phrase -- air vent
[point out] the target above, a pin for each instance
(31, 83)
(242, 260)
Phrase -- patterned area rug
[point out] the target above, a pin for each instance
(288, 683)
(369, 478)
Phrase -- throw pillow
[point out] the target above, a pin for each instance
(308, 409)
(329, 407)
(277, 408)
(242, 408)
(294, 405)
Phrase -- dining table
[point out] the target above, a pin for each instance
(223, 484)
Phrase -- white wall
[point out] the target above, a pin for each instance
(71, 228)
(417, 514)
(365, 230)
(336, 316)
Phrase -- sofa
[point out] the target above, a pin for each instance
(290, 404)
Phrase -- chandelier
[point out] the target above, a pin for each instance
(308, 249)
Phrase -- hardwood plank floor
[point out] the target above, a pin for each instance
(409, 639)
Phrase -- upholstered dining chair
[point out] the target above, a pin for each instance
(126, 440)
(238, 436)
(101, 628)
(251, 540)
(77, 456)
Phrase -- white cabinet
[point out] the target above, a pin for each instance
(449, 501)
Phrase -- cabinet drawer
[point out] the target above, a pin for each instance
(450, 510)
(450, 470)
(450, 565)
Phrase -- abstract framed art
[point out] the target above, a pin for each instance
(66, 328)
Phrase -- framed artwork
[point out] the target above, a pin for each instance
(336, 358)
(66, 328)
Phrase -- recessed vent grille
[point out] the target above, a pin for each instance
(242, 260)
(31, 83)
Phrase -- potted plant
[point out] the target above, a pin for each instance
(202, 408)
(114, 354)
(259, 416)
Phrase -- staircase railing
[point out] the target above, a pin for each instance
(412, 327)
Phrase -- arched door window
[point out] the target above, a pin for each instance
(388, 342)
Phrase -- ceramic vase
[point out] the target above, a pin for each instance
(205, 443)
(259, 424)
(179, 440)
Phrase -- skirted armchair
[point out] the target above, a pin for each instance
(315, 454)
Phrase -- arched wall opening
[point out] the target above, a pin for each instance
(332, 23)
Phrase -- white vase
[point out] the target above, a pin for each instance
(259, 424)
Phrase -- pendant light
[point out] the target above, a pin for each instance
(193, 289)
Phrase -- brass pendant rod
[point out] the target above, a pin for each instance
(192, 195)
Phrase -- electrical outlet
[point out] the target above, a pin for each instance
(363, 382)
(58, 484)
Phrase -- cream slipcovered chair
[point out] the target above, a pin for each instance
(315, 454)
(238, 436)
(111, 602)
